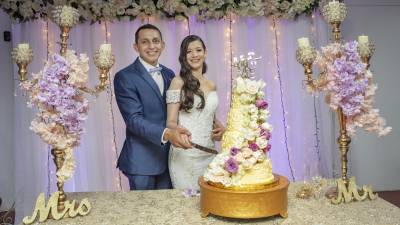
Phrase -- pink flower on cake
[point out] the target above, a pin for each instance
(253, 146)
(267, 148)
(265, 133)
(231, 165)
(261, 104)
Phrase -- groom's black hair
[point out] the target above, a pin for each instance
(146, 26)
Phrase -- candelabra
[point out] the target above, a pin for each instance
(58, 206)
(334, 13)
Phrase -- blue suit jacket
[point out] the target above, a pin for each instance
(145, 113)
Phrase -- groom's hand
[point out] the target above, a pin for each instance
(179, 137)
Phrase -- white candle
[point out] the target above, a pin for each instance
(303, 42)
(105, 48)
(363, 39)
(24, 46)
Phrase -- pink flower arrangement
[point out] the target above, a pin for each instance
(55, 91)
(349, 86)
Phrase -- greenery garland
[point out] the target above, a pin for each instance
(99, 10)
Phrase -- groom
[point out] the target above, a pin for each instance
(140, 93)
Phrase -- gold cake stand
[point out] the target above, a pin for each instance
(245, 204)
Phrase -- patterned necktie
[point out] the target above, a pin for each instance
(155, 70)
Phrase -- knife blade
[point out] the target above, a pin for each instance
(205, 149)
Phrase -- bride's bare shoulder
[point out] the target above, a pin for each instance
(176, 83)
(211, 85)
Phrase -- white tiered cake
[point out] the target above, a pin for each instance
(243, 162)
(239, 183)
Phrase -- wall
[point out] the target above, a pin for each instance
(6, 117)
(374, 160)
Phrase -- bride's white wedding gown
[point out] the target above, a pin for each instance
(186, 166)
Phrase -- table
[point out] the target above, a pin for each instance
(172, 207)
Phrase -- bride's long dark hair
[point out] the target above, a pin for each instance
(191, 85)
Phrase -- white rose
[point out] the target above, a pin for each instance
(261, 158)
(253, 109)
(253, 117)
(247, 153)
(252, 87)
(253, 125)
(250, 135)
(252, 160)
(261, 142)
(240, 85)
(266, 126)
(239, 157)
(238, 141)
(246, 98)
(264, 113)
(246, 165)
(218, 171)
(260, 94)
(226, 181)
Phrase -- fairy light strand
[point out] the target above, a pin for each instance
(317, 129)
(281, 95)
(111, 91)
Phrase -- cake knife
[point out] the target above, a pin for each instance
(205, 149)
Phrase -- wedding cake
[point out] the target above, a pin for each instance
(243, 162)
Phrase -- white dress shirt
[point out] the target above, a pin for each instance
(157, 77)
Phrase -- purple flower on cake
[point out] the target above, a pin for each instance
(234, 151)
(231, 165)
(265, 133)
(267, 148)
(253, 146)
(261, 104)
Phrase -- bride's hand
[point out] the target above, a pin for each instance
(218, 131)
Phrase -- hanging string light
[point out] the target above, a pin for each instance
(228, 34)
(278, 78)
(110, 92)
(316, 133)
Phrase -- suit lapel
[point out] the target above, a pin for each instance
(147, 77)
(166, 80)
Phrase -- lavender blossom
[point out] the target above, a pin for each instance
(234, 151)
(231, 165)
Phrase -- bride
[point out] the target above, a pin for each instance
(192, 102)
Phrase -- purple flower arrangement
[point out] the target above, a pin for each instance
(62, 106)
(349, 86)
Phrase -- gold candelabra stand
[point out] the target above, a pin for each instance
(346, 190)
(58, 206)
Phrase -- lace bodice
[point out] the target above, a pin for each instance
(198, 121)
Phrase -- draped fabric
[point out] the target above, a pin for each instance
(302, 138)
